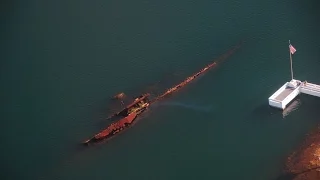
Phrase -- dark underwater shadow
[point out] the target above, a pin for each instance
(286, 176)
(291, 176)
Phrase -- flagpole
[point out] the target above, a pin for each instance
(291, 62)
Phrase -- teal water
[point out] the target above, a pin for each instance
(63, 60)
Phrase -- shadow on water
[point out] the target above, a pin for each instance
(264, 111)
(291, 107)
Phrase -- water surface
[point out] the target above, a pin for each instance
(63, 60)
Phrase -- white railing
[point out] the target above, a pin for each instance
(274, 95)
(310, 86)
(291, 96)
(311, 89)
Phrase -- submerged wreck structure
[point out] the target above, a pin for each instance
(304, 163)
(141, 103)
(119, 96)
(129, 114)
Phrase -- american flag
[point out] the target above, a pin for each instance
(292, 49)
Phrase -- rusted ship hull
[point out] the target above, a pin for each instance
(124, 112)
(140, 104)
(113, 129)
(130, 113)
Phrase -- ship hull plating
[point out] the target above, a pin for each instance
(141, 103)
(130, 113)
